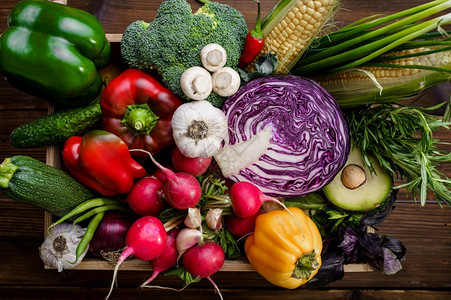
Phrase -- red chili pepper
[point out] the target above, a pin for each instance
(138, 109)
(101, 161)
(253, 43)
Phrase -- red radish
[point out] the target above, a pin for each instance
(146, 240)
(246, 199)
(181, 190)
(166, 260)
(240, 226)
(158, 174)
(203, 260)
(145, 197)
(195, 166)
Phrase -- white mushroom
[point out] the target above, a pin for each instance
(213, 57)
(196, 83)
(226, 82)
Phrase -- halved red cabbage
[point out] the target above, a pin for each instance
(287, 135)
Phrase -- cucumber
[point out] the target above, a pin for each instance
(57, 127)
(28, 180)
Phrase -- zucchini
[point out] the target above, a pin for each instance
(28, 180)
(57, 127)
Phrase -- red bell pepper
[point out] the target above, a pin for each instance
(101, 161)
(253, 43)
(138, 109)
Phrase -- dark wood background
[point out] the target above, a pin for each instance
(425, 231)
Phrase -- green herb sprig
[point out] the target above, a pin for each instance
(401, 138)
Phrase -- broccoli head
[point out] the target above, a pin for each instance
(173, 41)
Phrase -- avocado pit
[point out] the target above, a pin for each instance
(353, 176)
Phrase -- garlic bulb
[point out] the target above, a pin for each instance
(59, 248)
(198, 128)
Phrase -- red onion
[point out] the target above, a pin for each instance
(110, 234)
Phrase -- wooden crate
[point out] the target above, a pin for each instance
(53, 158)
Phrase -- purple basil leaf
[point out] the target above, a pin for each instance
(376, 262)
(349, 245)
(331, 270)
(371, 244)
(391, 262)
(395, 246)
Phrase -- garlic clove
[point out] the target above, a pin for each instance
(213, 218)
(186, 239)
(193, 218)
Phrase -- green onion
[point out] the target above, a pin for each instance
(359, 43)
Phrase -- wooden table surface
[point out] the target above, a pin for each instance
(425, 231)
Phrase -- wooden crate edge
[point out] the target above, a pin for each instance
(241, 265)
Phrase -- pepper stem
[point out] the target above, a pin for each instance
(257, 31)
(306, 264)
(7, 170)
(139, 119)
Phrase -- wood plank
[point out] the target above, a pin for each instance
(424, 231)
(31, 293)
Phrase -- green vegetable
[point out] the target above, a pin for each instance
(57, 127)
(356, 187)
(53, 51)
(224, 238)
(368, 38)
(98, 210)
(312, 201)
(173, 41)
(183, 274)
(28, 180)
(401, 139)
(83, 207)
(89, 233)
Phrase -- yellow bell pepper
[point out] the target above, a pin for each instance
(284, 251)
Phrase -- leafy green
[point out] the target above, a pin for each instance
(265, 65)
(346, 240)
(309, 201)
(401, 138)
(223, 238)
(183, 274)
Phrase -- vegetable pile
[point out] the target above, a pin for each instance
(202, 148)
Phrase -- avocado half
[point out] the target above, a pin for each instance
(356, 188)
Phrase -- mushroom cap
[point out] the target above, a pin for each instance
(196, 83)
(213, 57)
(226, 82)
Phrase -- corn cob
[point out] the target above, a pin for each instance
(291, 26)
(396, 80)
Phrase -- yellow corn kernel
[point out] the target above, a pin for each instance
(300, 24)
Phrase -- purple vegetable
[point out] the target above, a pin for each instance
(287, 136)
(110, 234)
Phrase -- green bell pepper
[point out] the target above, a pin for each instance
(53, 51)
